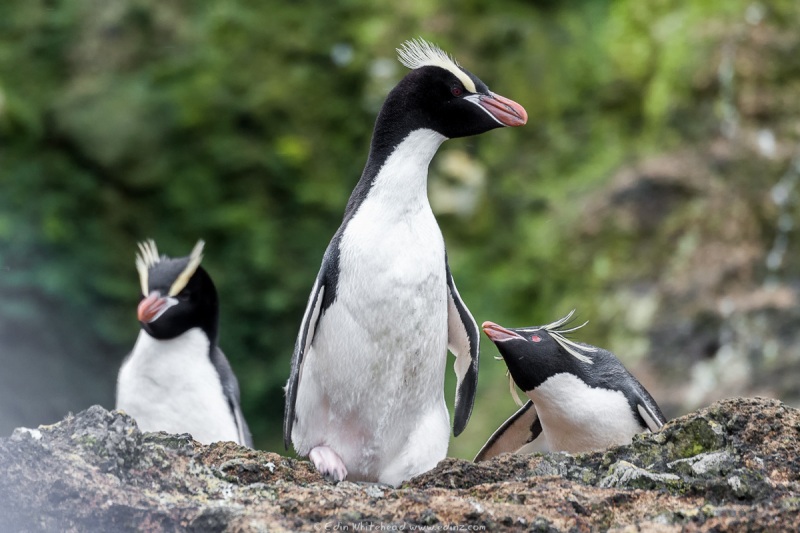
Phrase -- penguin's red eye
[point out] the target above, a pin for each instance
(456, 91)
(536, 338)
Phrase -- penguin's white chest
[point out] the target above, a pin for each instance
(388, 323)
(372, 384)
(578, 418)
(171, 385)
(389, 319)
(393, 273)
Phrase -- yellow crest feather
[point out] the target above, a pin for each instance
(146, 258)
(194, 261)
(416, 53)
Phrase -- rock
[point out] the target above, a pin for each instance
(731, 466)
(625, 474)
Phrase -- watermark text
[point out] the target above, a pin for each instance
(394, 526)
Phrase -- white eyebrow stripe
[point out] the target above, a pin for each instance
(570, 330)
(570, 346)
(416, 53)
(559, 322)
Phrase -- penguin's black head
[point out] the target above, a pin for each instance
(439, 94)
(537, 353)
(177, 294)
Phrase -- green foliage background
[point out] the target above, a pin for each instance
(247, 124)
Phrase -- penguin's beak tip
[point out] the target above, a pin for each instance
(150, 307)
(498, 333)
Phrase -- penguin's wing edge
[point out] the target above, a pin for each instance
(651, 419)
(647, 408)
(119, 373)
(230, 387)
(463, 339)
(304, 338)
(244, 430)
(519, 434)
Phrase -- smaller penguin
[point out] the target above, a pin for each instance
(581, 397)
(177, 379)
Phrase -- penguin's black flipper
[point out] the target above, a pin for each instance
(520, 431)
(463, 339)
(230, 387)
(648, 409)
(304, 338)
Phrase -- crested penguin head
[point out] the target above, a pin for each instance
(177, 294)
(537, 353)
(440, 95)
(584, 396)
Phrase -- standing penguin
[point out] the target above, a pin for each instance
(582, 398)
(177, 379)
(365, 397)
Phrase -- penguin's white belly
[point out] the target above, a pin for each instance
(171, 385)
(372, 382)
(578, 418)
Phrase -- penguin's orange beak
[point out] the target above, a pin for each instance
(498, 333)
(151, 307)
(505, 110)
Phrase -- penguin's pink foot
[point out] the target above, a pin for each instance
(328, 463)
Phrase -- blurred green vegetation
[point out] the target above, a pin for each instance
(247, 124)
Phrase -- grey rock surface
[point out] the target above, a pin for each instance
(729, 467)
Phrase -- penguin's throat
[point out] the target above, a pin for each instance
(403, 176)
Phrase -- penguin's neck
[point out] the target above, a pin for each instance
(396, 175)
(208, 325)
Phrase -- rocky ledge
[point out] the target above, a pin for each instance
(732, 466)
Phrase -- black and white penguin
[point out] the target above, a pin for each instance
(365, 397)
(581, 397)
(177, 379)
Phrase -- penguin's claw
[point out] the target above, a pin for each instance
(328, 463)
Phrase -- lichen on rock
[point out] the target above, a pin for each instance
(733, 465)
